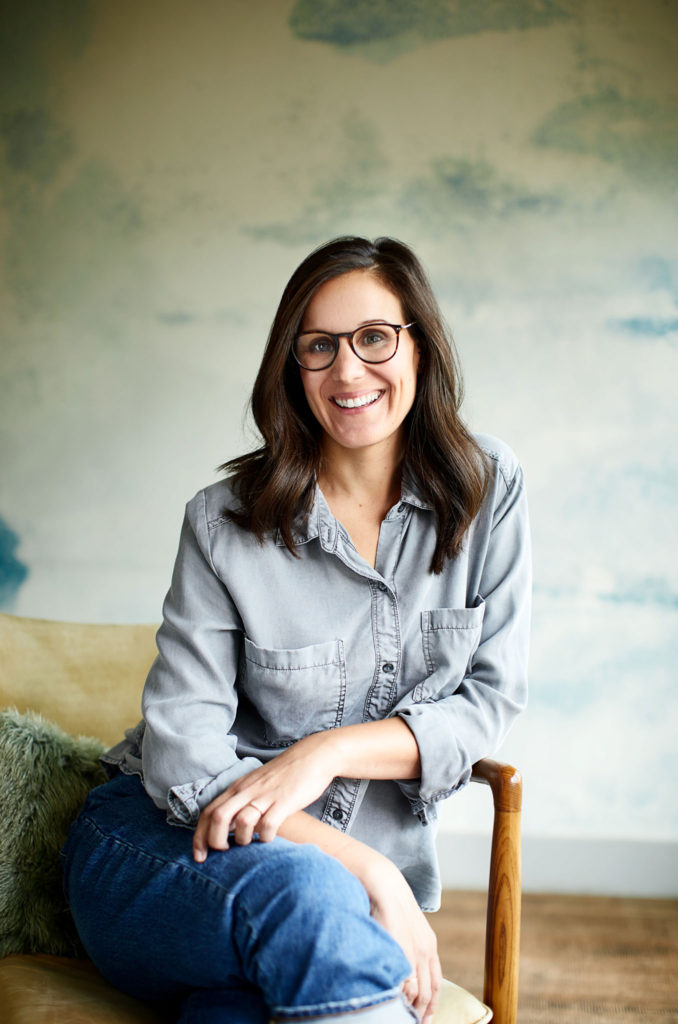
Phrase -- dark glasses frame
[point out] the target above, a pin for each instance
(336, 338)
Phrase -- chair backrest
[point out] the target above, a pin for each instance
(86, 678)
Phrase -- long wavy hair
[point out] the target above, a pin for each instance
(275, 484)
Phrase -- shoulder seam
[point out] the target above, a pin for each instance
(207, 533)
(217, 521)
(508, 480)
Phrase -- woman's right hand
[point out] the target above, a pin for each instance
(393, 905)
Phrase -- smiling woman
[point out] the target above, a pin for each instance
(345, 635)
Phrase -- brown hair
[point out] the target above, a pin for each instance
(275, 484)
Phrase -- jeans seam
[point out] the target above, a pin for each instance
(358, 1004)
(209, 883)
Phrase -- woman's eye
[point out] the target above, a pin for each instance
(373, 338)
(320, 345)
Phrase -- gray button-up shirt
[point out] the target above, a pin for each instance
(258, 648)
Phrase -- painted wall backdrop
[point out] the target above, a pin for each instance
(164, 166)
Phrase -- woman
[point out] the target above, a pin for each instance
(345, 634)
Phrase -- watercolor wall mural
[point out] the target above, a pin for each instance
(164, 166)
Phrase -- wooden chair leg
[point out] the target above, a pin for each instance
(502, 936)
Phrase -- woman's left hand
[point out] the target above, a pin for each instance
(261, 800)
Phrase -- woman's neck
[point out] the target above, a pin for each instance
(367, 478)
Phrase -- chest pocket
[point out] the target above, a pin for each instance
(450, 638)
(296, 692)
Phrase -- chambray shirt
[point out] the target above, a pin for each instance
(258, 648)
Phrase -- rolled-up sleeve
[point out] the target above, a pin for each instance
(190, 700)
(456, 729)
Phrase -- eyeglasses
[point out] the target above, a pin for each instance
(373, 343)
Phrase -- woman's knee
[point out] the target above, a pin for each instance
(306, 936)
(301, 881)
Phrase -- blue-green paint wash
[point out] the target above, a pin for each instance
(659, 274)
(346, 23)
(34, 145)
(456, 191)
(341, 196)
(646, 327)
(12, 572)
(644, 592)
(93, 217)
(30, 33)
(452, 192)
(637, 134)
(605, 675)
(177, 318)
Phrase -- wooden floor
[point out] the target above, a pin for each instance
(583, 958)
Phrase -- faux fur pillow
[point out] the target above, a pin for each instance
(45, 775)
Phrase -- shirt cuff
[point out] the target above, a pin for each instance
(185, 802)
(445, 765)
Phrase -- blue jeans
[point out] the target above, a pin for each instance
(267, 930)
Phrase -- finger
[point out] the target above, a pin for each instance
(200, 840)
(268, 826)
(410, 989)
(423, 997)
(214, 825)
(244, 824)
(435, 983)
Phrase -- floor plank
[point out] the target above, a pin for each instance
(583, 958)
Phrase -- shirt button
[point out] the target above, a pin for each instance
(388, 666)
(382, 586)
(337, 814)
(401, 508)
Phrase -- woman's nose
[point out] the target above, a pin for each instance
(347, 365)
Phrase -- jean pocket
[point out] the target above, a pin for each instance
(296, 692)
(450, 638)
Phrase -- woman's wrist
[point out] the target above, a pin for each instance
(368, 865)
(385, 749)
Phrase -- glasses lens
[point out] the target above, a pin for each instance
(314, 351)
(375, 343)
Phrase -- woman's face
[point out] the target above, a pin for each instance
(384, 392)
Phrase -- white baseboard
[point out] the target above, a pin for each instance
(606, 867)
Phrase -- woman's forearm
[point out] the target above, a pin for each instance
(372, 750)
(268, 797)
(360, 859)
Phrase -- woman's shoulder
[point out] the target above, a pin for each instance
(213, 504)
(503, 460)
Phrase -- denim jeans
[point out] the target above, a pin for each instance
(267, 930)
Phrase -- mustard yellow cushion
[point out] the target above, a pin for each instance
(50, 990)
(43, 989)
(86, 678)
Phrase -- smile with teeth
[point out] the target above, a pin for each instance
(357, 403)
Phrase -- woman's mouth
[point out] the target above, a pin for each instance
(359, 402)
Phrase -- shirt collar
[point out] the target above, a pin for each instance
(411, 493)
(321, 523)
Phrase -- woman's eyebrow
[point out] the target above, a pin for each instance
(363, 323)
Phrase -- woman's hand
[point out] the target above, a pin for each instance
(393, 905)
(261, 800)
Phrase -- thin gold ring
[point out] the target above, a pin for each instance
(256, 807)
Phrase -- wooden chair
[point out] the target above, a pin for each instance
(88, 679)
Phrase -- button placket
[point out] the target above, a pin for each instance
(382, 693)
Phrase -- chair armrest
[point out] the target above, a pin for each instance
(504, 780)
(502, 935)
